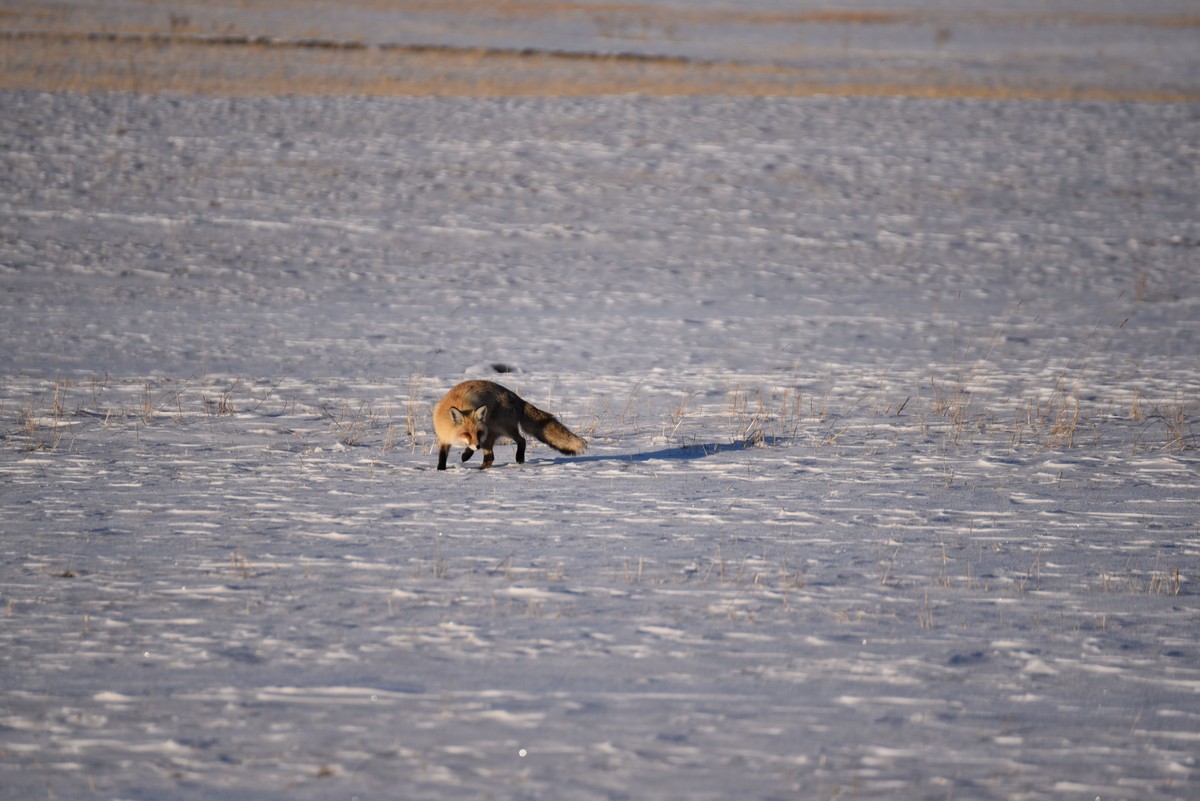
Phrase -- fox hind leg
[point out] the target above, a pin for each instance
(520, 447)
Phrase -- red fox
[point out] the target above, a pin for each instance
(475, 413)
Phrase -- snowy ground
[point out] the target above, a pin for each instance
(892, 491)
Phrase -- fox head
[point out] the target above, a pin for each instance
(470, 427)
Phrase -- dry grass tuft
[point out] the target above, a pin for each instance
(766, 418)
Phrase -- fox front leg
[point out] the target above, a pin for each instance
(486, 446)
(443, 452)
(467, 453)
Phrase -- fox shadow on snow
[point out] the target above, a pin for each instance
(677, 453)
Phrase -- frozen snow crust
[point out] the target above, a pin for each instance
(892, 488)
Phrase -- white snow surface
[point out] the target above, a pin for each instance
(892, 488)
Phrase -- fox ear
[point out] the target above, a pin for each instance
(456, 416)
(480, 414)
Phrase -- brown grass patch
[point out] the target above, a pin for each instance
(251, 48)
(242, 65)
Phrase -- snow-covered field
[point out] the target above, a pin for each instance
(892, 491)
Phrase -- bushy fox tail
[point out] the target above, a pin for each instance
(546, 427)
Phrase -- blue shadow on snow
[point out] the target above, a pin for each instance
(679, 453)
